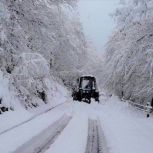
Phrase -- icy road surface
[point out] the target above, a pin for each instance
(111, 127)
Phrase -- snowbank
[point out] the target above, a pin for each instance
(10, 95)
(126, 130)
(58, 95)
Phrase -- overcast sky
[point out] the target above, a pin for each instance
(97, 23)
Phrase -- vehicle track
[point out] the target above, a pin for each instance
(41, 142)
(96, 142)
(28, 120)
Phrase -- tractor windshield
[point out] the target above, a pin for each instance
(87, 84)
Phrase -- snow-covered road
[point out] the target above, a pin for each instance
(124, 130)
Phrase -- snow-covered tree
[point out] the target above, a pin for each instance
(48, 28)
(129, 54)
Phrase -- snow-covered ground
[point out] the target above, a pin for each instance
(126, 130)
(58, 95)
(15, 138)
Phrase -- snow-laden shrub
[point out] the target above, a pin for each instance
(32, 65)
(29, 78)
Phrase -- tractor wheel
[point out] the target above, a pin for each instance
(89, 100)
(74, 97)
(79, 99)
(97, 99)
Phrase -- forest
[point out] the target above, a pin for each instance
(43, 41)
(58, 94)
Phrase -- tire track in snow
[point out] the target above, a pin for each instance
(96, 141)
(30, 119)
(41, 142)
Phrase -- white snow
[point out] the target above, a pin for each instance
(11, 136)
(73, 139)
(56, 95)
(126, 130)
(10, 141)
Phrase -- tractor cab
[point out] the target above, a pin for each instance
(86, 89)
